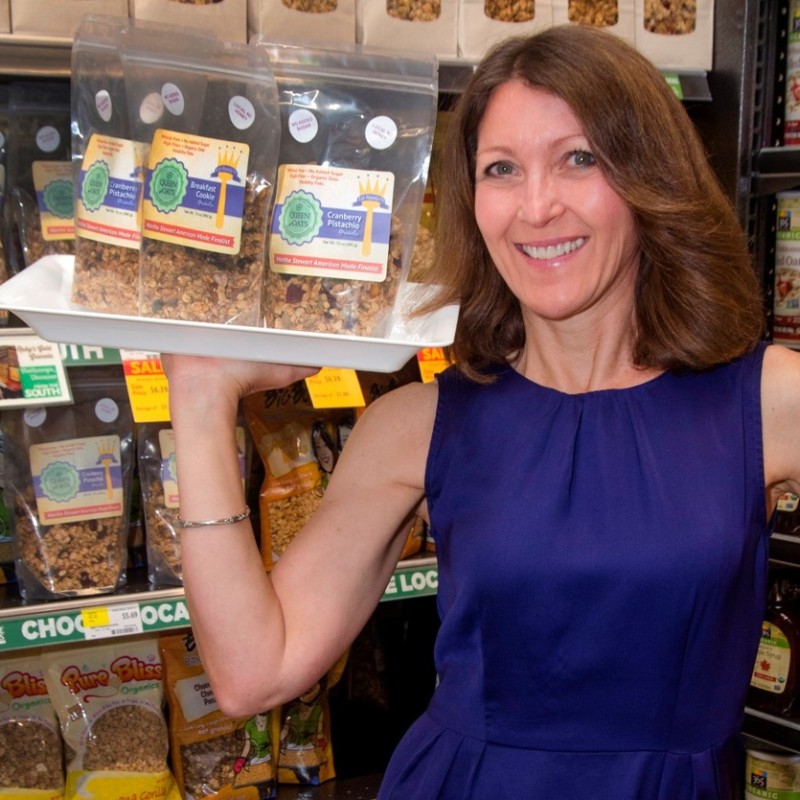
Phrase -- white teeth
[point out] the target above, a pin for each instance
(553, 251)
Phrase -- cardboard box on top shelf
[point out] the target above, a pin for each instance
(5, 17)
(58, 18)
(428, 26)
(226, 18)
(614, 16)
(673, 36)
(303, 20)
(484, 23)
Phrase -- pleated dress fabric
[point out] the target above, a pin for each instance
(602, 564)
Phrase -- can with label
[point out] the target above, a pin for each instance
(772, 775)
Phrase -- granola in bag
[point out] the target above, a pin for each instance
(213, 754)
(161, 501)
(108, 191)
(68, 475)
(207, 112)
(31, 752)
(357, 130)
(109, 699)
(39, 171)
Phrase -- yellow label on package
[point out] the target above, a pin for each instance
(77, 479)
(331, 223)
(194, 191)
(120, 785)
(52, 181)
(109, 192)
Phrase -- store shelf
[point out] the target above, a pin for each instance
(139, 609)
(784, 548)
(782, 733)
(777, 169)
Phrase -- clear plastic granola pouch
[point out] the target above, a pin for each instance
(356, 135)
(207, 111)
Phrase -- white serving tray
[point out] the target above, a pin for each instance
(40, 296)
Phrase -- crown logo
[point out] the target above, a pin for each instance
(372, 188)
(229, 158)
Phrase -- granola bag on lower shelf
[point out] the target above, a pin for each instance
(356, 137)
(110, 704)
(31, 750)
(212, 754)
(207, 112)
(68, 475)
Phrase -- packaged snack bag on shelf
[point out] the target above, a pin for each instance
(108, 165)
(303, 20)
(161, 501)
(299, 448)
(68, 478)
(357, 129)
(225, 18)
(207, 111)
(213, 754)
(58, 18)
(110, 704)
(39, 171)
(30, 738)
(484, 23)
(306, 747)
(614, 16)
(675, 34)
(425, 26)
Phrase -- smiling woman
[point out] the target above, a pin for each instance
(599, 468)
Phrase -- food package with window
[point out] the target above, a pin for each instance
(676, 34)
(39, 186)
(614, 16)
(303, 20)
(299, 447)
(30, 738)
(424, 26)
(58, 18)
(108, 168)
(213, 754)
(158, 478)
(207, 111)
(68, 473)
(356, 138)
(110, 704)
(484, 23)
(227, 19)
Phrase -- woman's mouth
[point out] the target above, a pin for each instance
(553, 250)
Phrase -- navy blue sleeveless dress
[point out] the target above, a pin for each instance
(602, 580)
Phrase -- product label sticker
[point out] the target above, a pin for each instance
(110, 192)
(31, 372)
(331, 222)
(194, 191)
(77, 479)
(52, 181)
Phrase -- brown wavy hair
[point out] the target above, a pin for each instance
(698, 299)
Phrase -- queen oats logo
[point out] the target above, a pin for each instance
(300, 219)
(168, 183)
(95, 186)
(60, 481)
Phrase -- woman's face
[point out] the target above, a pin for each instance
(561, 237)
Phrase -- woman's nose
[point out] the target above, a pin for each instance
(540, 201)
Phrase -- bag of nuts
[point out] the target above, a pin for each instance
(30, 738)
(357, 130)
(676, 34)
(68, 472)
(39, 170)
(161, 501)
(109, 699)
(207, 111)
(426, 26)
(213, 754)
(108, 167)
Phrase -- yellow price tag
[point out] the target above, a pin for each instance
(95, 617)
(431, 360)
(335, 388)
(147, 386)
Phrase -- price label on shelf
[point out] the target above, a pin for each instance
(102, 622)
(147, 385)
(335, 388)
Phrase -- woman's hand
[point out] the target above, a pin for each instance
(202, 383)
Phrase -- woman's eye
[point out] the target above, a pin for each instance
(582, 158)
(499, 168)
